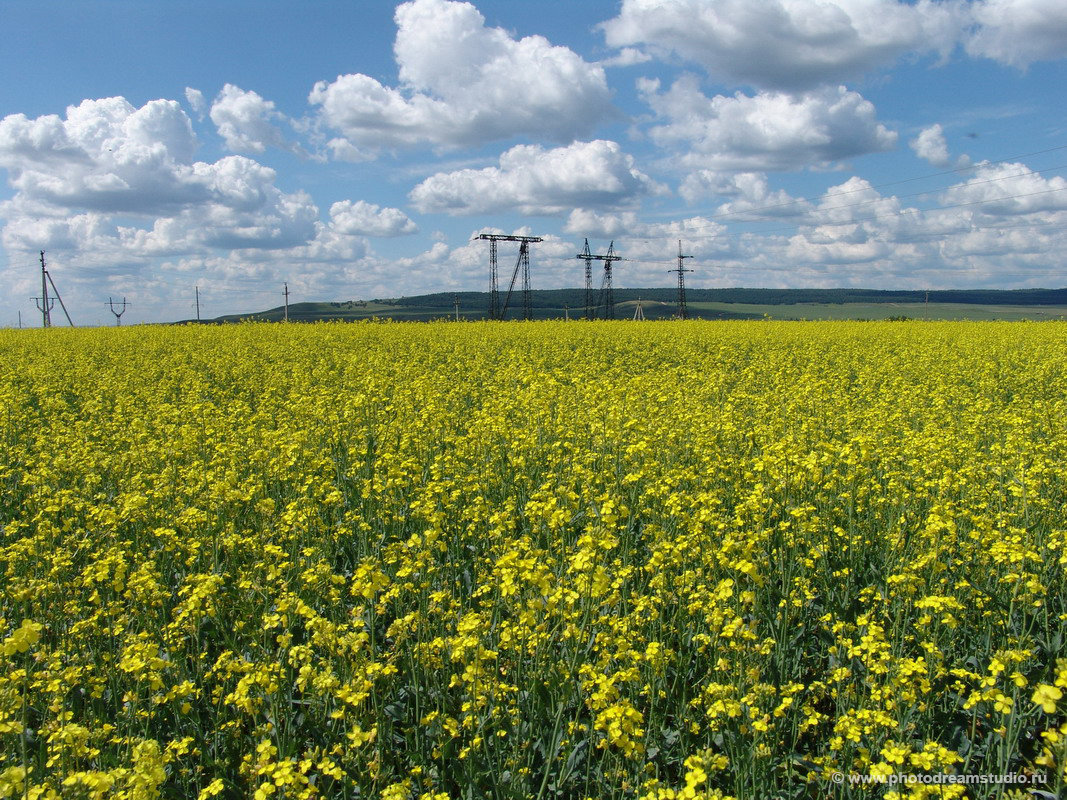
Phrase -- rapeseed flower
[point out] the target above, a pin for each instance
(673, 560)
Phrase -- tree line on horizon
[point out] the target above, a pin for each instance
(575, 298)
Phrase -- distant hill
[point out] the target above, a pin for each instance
(661, 303)
(557, 298)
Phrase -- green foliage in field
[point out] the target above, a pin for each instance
(681, 560)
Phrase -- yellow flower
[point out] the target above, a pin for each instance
(212, 789)
(23, 638)
(1046, 696)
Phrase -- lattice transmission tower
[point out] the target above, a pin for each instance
(588, 258)
(683, 312)
(496, 309)
(607, 291)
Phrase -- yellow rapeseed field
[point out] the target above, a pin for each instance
(532, 560)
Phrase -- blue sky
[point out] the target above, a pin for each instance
(353, 149)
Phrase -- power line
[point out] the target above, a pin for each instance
(904, 211)
(690, 233)
(831, 224)
(913, 194)
(879, 186)
(767, 207)
(50, 294)
(919, 237)
(212, 286)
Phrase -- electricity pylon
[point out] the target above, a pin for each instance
(607, 291)
(588, 258)
(683, 312)
(118, 314)
(496, 310)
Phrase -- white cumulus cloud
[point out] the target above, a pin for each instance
(1018, 32)
(539, 181)
(750, 193)
(794, 45)
(462, 83)
(1006, 190)
(627, 57)
(589, 223)
(105, 156)
(196, 101)
(72, 176)
(246, 121)
(999, 225)
(768, 131)
(786, 44)
(366, 219)
(930, 145)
